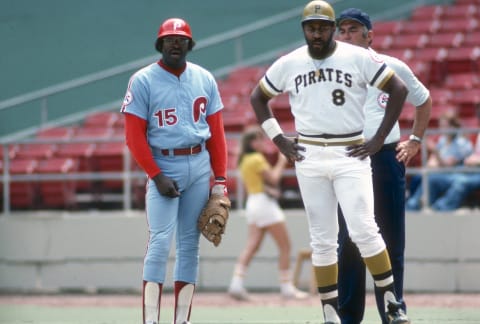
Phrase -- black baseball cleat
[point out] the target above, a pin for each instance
(395, 314)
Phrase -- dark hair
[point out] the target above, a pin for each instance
(249, 135)
(452, 118)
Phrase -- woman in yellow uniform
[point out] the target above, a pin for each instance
(263, 213)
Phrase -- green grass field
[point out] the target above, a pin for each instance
(212, 315)
(82, 313)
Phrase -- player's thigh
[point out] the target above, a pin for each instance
(319, 198)
(161, 210)
(192, 201)
(354, 189)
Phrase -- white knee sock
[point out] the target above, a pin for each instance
(151, 299)
(183, 302)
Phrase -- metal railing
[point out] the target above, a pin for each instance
(129, 175)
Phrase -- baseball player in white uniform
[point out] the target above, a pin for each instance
(326, 81)
(174, 130)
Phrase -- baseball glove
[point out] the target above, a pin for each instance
(213, 218)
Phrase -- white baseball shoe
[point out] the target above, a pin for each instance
(238, 293)
(291, 292)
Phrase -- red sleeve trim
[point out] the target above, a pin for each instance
(136, 139)
(217, 145)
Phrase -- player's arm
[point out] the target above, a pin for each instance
(137, 143)
(136, 140)
(419, 96)
(217, 147)
(408, 149)
(259, 101)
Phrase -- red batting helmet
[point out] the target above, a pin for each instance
(174, 27)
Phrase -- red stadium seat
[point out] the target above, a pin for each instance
(93, 133)
(82, 152)
(409, 41)
(23, 194)
(102, 119)
(35, 150)
(441, 95)
(11, 151)
(382, 42)
(467, 2)
(466, 100)
(463, 59)
(407, 116)
(279, 102)
(459, 11)
(470, 122)
(460, 25)
(57, 193)
(427, 12)
(233, 145)
(235, 120)
(430, 54)
(471, 39)
(108, 157)
(434, 57)
(389, 27)
(427, 26)
(446, 40)
(119, 123)
(400, 53)
(461, 81)
(421, 70)
(60, 133)
(246, 74)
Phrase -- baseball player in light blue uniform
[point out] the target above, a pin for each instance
(174, 130)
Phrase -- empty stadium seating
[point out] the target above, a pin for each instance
(441, 44)
(23, 194)
(57, 193)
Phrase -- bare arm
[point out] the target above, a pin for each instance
(259, 101)
(409, 148)
(274, 175)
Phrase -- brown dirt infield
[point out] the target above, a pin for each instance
(221, 299)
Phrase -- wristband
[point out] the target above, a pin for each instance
(415, 138)
(272, 128)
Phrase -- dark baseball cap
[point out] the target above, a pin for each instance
(356, 15)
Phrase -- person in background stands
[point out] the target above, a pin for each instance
(388, 171)
(450, 150)
(263, 213)
(462, 184)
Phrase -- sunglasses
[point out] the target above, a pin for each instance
(169, 40)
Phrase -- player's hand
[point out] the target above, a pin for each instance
(406, 150)
(362, 151)
(289, 148)
(166, 186)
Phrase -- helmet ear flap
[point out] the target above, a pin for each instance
(159, 45)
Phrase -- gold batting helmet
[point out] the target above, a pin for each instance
(318, 10)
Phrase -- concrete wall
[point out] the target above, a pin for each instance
(103, 251)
